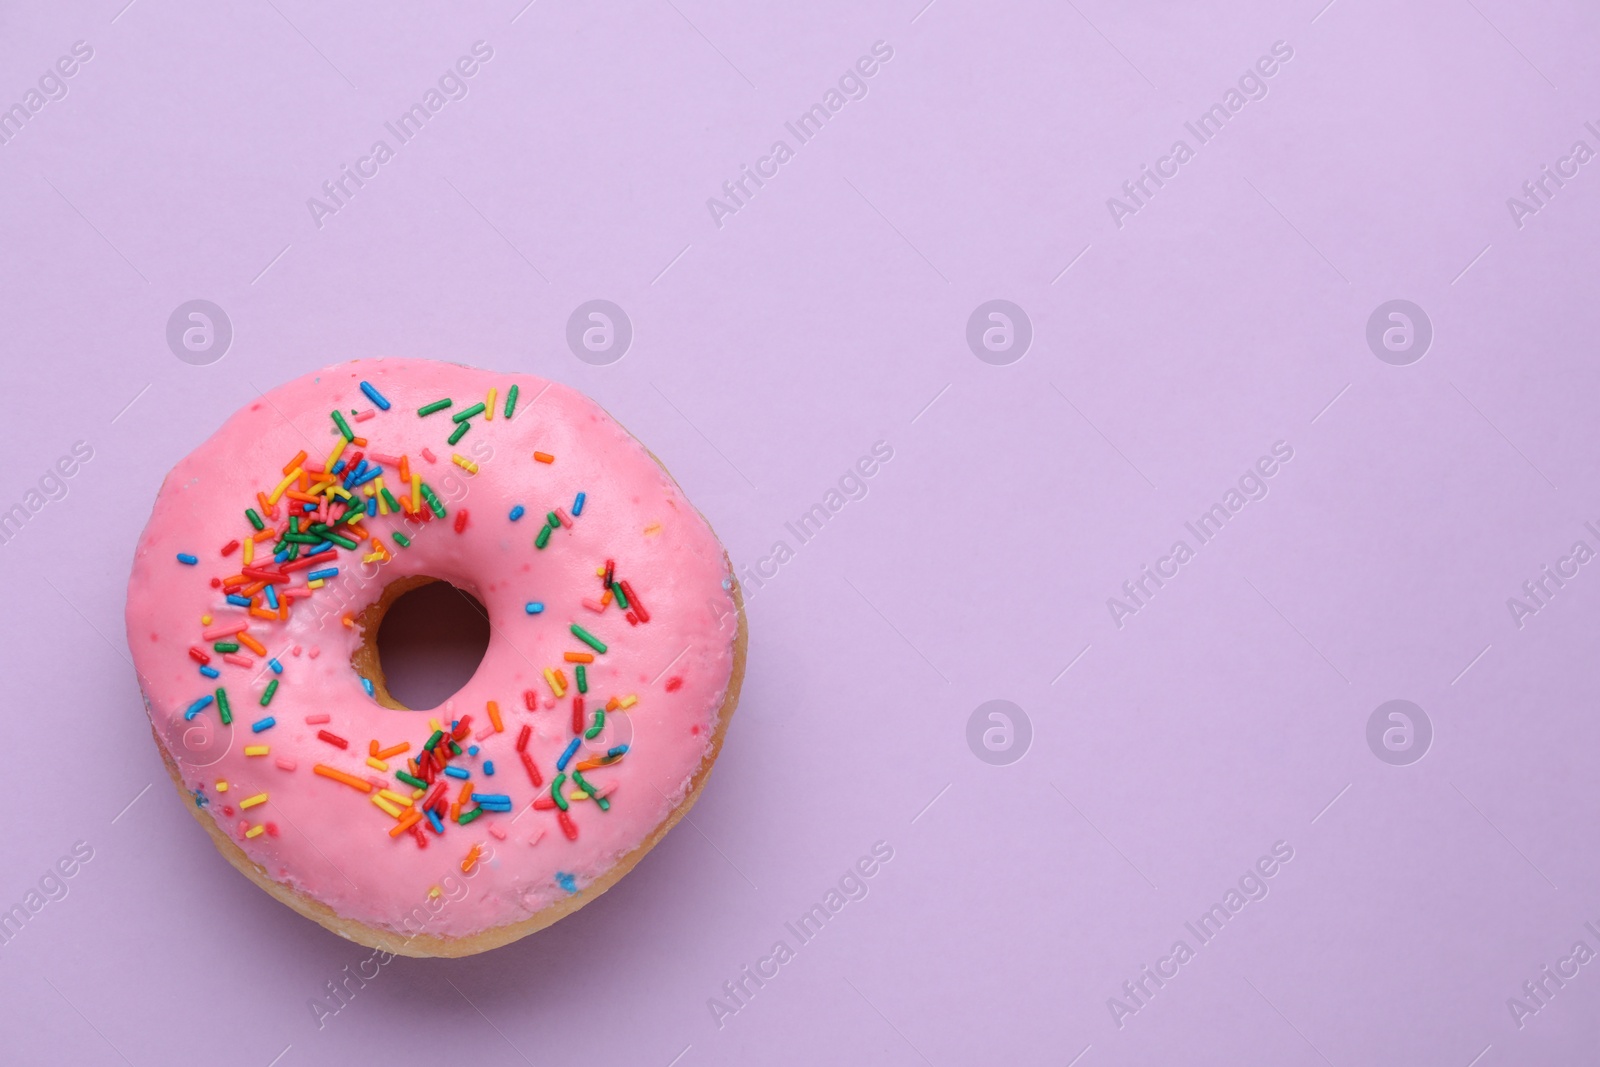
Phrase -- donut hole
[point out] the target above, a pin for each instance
(430, 638)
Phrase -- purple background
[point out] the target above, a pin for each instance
(769, 354)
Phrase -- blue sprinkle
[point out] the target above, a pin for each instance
(366, 683)
(375, 396)
(492, 805)
(577, 505)
(197, 707)
(517, 512)
(317, 550)
(263, 724)
(272, 597)
(240, 601)
(456, 772)
(372, 506)
(488, 766)
(472, 750)
(308, 507)
(364, 477)
(281, 556)
(184, 557)
(277, 668)
(618, 751)
(533, 607)
(491, 798)
(209, 672)
(338, 468)
(433, 817)
(567, 882)
(572, 746)
(324, 572)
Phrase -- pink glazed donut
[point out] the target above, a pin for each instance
(616, 650)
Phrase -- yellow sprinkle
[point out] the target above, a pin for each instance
(555, 684)
(377, 490)
(377, 764)
(416, 794)
(319, 488)
(628, 701)
(222, 785)
(372, 557)
(389, 794)
(393, 809)
(316, 584)
(417, 502)
(256, 750)
(341, 492)
(464, 463)
(488, 405)
(249, 552)
(205, 620)
(254, 831)
(577, 794)
(283, 486)
(368, 489)
(333, 457)
(250, 802)
(435, 724)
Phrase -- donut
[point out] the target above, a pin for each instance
(614, 661)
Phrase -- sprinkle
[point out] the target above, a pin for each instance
(401, 539)
(577, 505)
(239, 601)
(464, 463)
(554, 683)
(599, 724)
(517, 512)
(578, 657)
(255, 831)
(433, 820)
(551, 519)
(339, 776)
(467, 816)
(266, 696)
(511, 400)
(488, 766)
(255, 519)
(471, 860)
(569, 828)
(324, 572)
(438, 405)
(433, 501)
(390, 808)
(533, 607)
(377, 764)
(620, 750)
(461, 520)
(544, 457)
(407, 821)
(344, 427)
(224, 712)
(543, 538)
(375, 396)
(587, 638)
(227, 629)
(555, 792)
(459, 432)
(263, 724)
(583, 677)
(457, 772)
(198, 655)
(229, 547)
(255, 750)
(566, 756)
(494, 717)
(250, 802)
(600, 801)
(411, 780)
(332, 739)
(277, 668)
(313, 720)
(532, 769)
(186, 558)
(427, 454)
(488, 404)
(237, 660)
(210, 672)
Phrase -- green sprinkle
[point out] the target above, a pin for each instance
(602, 802)
(294, 524)
(344, 427)
(342, 542)
(294, 551)
(543, 538)
(511, 400)
(225, 646)
(302, 539)
(588, 638)
(401, 539)
(468, 816)
(433, 501)
(599, 724)
(583, 678)
(552, 519)
(555, 792)
(463, 416)
(455, 748)
(224, 712)
(411, 780)
(433, 740)
(622, 600)
(272, 687)
(461, 430)
(388, 498)
(255, 520)
(438, 405)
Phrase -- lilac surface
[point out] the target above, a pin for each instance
(770, 353)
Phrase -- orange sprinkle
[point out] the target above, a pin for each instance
(261, 614)
(339, 776)
(407, 821)
(299, 457)
(494, 717)
(252, 589)
(455, 812)
(392, 750)
(295, 494)
(578, 657)
(544, 457)
(465, 794)
(265, 535)
(251, 643)
(472, 858)
(405, 468)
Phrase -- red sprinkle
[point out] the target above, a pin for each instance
(533, 769)
(198, 656)
(522, 737)
(543, 802)
(333, 739)
(634, 602)
(531, 699)
(229, 547)
(461, 520)
(416, 832)
(577, 714)
(568, 827)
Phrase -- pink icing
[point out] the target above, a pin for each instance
(329, 840)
